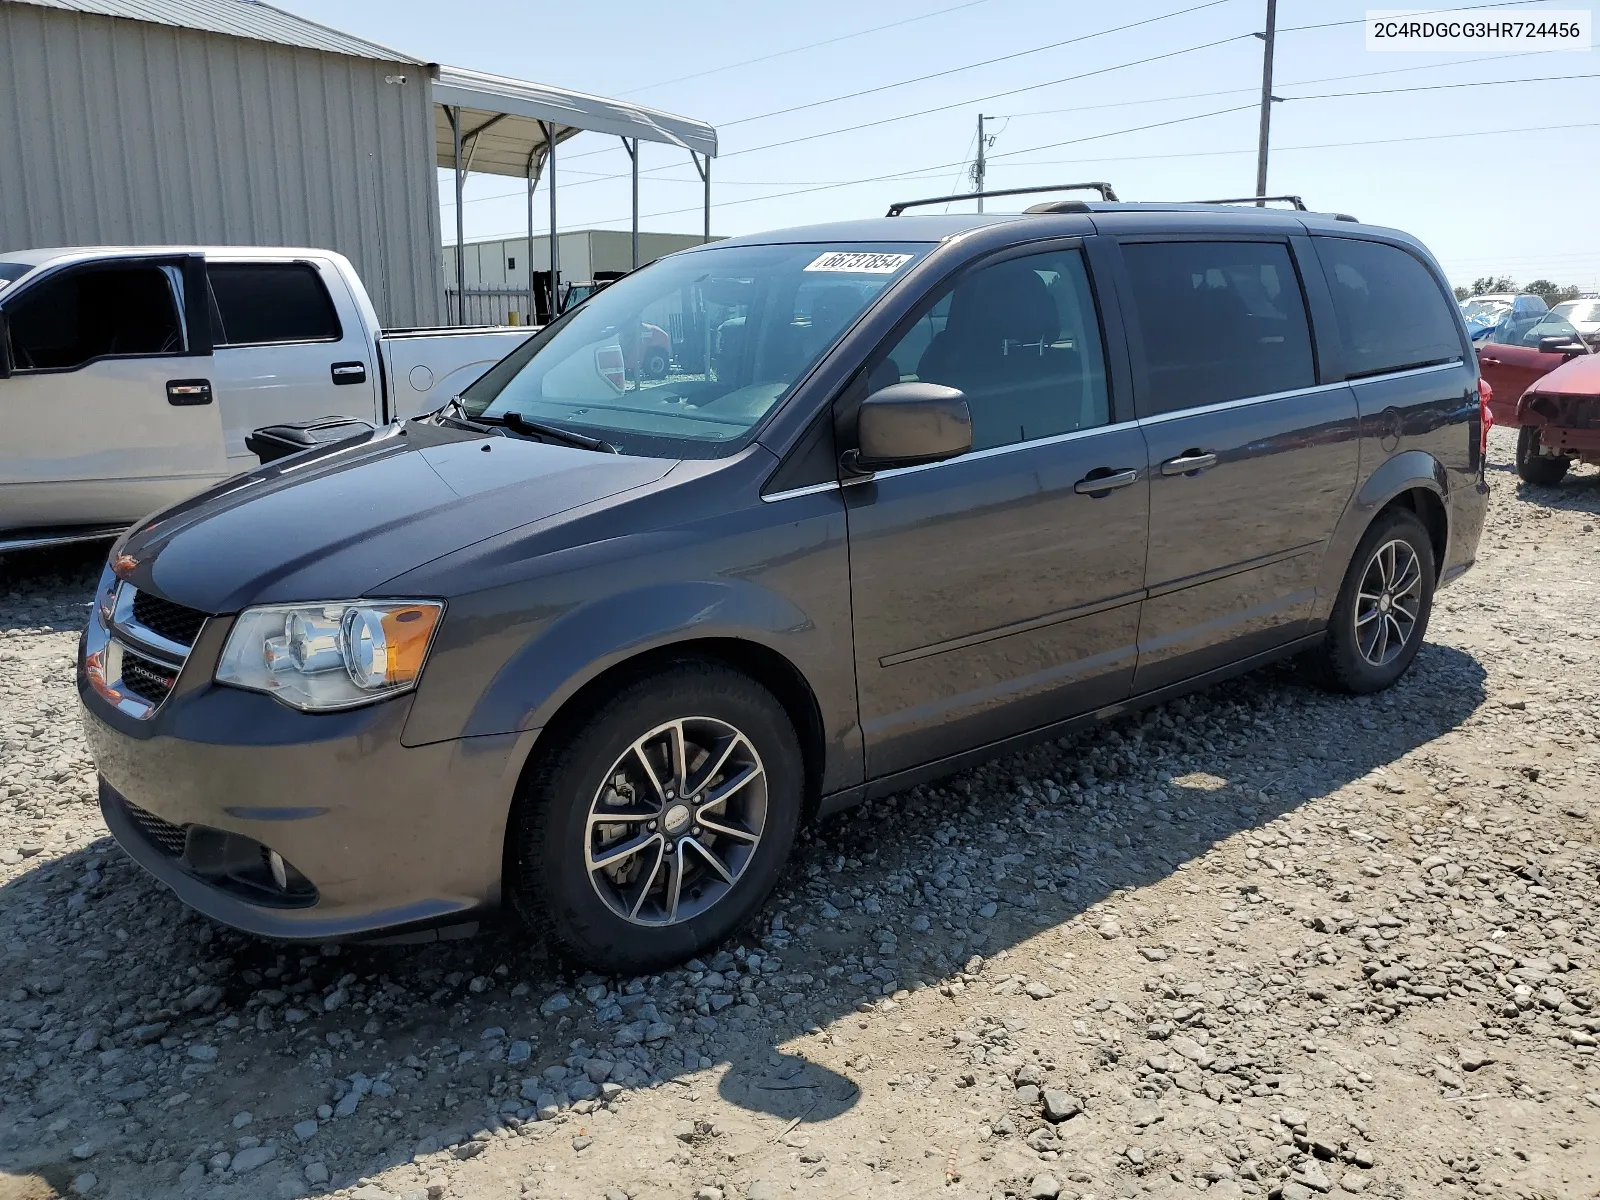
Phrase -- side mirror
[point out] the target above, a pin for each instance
(907, 424)
(5, 346)
(1561, 344)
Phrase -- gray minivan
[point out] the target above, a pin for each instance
(913, 491)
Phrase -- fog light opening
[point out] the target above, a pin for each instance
(279, 875)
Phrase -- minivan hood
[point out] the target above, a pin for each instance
(337, 524)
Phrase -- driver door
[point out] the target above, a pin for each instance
(108, 409)
(1510, 358)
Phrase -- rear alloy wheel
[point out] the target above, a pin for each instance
(1381, 614)
(661, 825)
(1533, 464)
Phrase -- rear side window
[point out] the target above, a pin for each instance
(1392, 315)
(74, 318)
(262, 303)
(1220, 321)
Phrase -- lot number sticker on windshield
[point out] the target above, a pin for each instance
(859, 262)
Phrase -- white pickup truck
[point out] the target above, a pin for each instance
(131, 376)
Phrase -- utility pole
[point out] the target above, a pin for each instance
(1266, 100)
(978, 165)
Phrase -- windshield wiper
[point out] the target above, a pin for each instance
(518, 423)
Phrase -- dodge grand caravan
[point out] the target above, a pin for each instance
(593, 645)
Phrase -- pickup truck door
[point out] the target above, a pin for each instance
(108, 410)
(291, 345)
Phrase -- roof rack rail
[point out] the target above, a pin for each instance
(1107, 192)
(1299, 204)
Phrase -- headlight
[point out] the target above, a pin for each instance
(319, 657)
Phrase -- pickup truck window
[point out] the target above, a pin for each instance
(71, 319)
(683, 358)
(256, 304)
(11, 272)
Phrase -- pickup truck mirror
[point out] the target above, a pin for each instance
(1561, 344)
(907, 424)
(5, 346)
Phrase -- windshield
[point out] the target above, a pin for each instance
(12, 271)
(1484, 308)
(684, 357)
(1578, 310)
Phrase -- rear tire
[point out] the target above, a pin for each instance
(1381, 614)
(659, 825)
(1543, 470)
(655, 364)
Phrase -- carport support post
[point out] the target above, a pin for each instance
(532, 316)
(454, 114)
(631, 145)
(703, 166)
(549, 128)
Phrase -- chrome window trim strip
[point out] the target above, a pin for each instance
(1009, 448)
(1178, 414)
(1428, 370)
(811, 489)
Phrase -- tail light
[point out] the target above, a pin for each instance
(1485, 418)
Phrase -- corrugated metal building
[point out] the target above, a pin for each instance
(219, 122)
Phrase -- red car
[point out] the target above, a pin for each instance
(1559, 420)
(1516, 358)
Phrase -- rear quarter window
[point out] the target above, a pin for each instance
(265, 303)
(1391, 312)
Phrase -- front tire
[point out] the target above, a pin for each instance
(659, 825)
(655, 364)
(1533, 466)
(1381, 614)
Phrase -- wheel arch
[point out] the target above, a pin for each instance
(1414, 481)
(767, 666)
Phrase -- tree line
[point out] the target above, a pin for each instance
(1551, 293)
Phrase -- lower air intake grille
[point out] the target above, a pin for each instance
(164, 835)
(148, 680)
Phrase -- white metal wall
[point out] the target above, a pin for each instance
(119, 131)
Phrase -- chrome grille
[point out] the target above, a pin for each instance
(172, 621)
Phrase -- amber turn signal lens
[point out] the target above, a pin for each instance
(405, 634)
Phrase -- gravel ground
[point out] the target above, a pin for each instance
(1259, 942)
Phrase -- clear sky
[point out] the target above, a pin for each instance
(1433, 162)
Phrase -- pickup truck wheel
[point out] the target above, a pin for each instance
(661, 824)
(655, 364)
(1381, 614)
(1533, 465)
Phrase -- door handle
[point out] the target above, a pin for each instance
(1190, 462)
(1103, 485)
(181, 392)
(349, 372)
(1493, 362)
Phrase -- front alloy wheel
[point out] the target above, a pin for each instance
(677, 821)
(656, 821)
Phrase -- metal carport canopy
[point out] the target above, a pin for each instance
(501, 126)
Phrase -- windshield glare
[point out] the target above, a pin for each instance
(685, 357)
(1578, 310)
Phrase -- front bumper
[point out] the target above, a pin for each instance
(392, 839)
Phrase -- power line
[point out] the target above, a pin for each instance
(809, 46)
(1440, 87)
(937, 167)
(696, 182)
(956, 70)
(988, 62)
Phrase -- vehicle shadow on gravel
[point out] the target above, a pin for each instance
(134, 1026)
